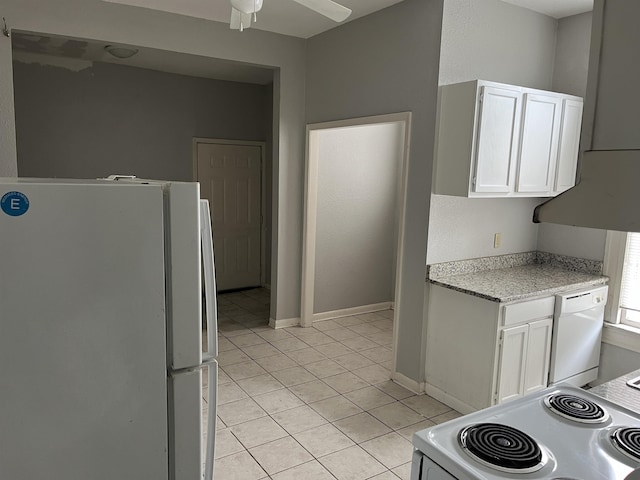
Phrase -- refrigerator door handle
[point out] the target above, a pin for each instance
(209, 281)
(211, 421)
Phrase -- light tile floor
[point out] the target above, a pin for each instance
(312, 403)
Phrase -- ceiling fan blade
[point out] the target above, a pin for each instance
(328, 8)
(235, 19)
(239, 20)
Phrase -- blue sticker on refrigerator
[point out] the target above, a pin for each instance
(14, 204)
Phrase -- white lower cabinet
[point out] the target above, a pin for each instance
(523, 359)
(481, 353)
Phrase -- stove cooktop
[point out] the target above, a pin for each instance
(562, 432)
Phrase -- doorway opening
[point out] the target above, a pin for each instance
(354, 209)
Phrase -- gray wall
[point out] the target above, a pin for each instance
(118, 119)
(573, 241)
(570, 76)
(115, 23)
(8, 165)
(572, 54)
(616, 122)
(494, 40)
(616, 103)
(268, 172)
(616, 361)
(489, 40)
(356, 223)
(384, 63)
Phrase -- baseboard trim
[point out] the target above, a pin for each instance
(346, 312)
(408, 383)
(284, 322)
(448, 400)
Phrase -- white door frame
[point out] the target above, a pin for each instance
(311, 208)
(263, 190)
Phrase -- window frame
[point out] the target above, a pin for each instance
(614, 252)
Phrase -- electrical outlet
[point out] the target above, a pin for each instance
(497, 240)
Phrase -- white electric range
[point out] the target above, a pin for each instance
(558, 433)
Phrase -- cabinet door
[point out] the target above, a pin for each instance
(538, 355)
(497, 140)
(539, 143)
(567, 161)
(513, 357)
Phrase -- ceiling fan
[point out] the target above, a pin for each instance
(243, 11)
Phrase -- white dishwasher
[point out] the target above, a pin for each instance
(577, 333)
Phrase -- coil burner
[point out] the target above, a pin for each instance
(627, 441)
(502, 447)
(576, 408)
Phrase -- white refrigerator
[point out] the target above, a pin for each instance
(102, 362)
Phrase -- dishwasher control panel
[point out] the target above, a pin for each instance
(581, 300)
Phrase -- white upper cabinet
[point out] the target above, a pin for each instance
(498, 127)
(538, 143)
(497, 140)
(569, 145)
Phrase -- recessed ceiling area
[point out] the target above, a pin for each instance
(35, 48)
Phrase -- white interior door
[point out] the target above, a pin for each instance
(230, 178)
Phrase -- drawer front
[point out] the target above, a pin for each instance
(527, 311)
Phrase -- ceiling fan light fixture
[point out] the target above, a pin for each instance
(247, 6)
(121, 52)
(243, 11)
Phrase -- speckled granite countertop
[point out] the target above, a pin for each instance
(519, 282)
(619, 392)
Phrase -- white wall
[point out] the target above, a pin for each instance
(462, 228)
(570, 76)
(489, 40)
(387, 62)
(109, 22)
(358, 174)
